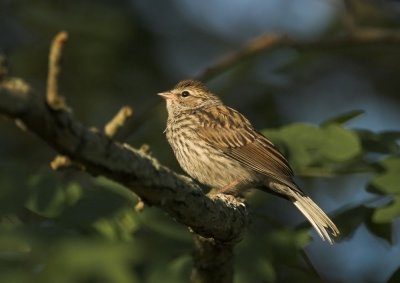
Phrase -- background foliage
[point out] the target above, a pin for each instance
(70, 227)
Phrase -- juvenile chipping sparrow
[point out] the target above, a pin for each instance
(218, 146)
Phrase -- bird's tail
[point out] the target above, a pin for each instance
(314, 214)
(318, 219)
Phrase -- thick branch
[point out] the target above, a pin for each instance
(213, 262)
(221, 217)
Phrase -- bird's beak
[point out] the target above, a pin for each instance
(166, 95)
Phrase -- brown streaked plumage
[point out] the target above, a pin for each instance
(219, 147)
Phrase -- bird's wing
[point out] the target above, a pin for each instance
(229, 131)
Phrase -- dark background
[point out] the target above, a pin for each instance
(69, 227)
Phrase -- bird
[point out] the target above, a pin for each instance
(219, 147)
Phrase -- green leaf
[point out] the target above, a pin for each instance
(175, 270)
(95, 205)
(351, 218)
(387, 213)
(14, 276)
(90, 261)
(301, 140)
(48, 197)
(284, 243)
(385, 142)
(73, 193)
(116, 188)
(266, 269)
(343, 118)
(309, 146)
(387, 182)
(120, 226)
(340, 144)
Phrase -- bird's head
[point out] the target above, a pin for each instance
(188, 95)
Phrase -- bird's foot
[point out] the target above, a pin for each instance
(229, 189)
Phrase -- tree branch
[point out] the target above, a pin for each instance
(213, 262)
(357, 37)
(221, 217)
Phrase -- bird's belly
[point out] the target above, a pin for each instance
(208, 165)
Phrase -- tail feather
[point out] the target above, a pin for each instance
(318, 219)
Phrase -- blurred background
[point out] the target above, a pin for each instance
(71, 227)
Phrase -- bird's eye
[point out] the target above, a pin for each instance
(185, 93)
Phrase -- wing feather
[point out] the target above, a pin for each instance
(229, 131)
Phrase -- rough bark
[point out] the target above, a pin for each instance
(221, 217)
(213, 261)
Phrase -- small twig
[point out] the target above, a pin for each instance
(145, 149)
(140, 205)
(54, 100)
(115, 128)
(61, 162)
(253, 47)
